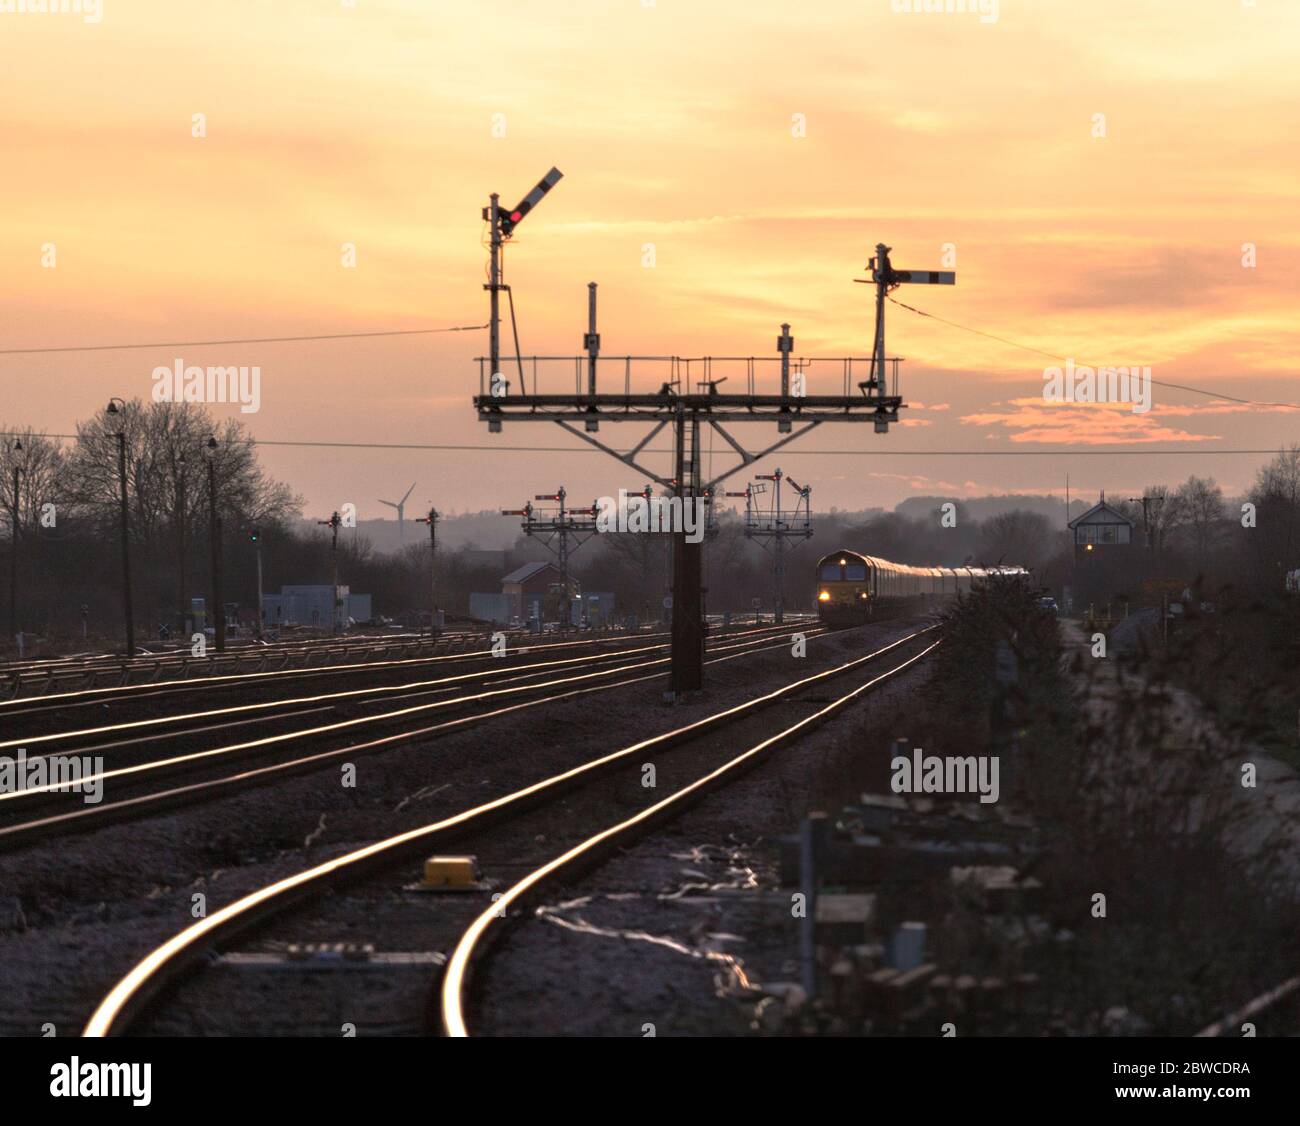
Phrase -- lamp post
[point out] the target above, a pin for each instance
(255, 536)
(180, 534)
(214, 524)
(432, 521)
(433, 571)
(13, 549)
(113, 409)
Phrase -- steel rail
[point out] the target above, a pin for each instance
(1231, 1024)
(456, 976)
(94, 664)
(26, 831)
(296, 701)
(25, 705)
(371, 694)
(233, 648)
(167, 962)
(42, 702)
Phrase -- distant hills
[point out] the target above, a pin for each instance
(985, 508)
(490, 531)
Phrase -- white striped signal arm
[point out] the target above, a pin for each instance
(925, 277)
(533, 198)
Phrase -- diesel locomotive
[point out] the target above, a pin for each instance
(853, 588)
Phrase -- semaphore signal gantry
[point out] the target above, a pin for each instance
(555, 529)
(862, 389)
(771, 525)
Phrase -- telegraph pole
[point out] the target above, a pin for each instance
(214, 534)
(255, 537)
(1067, 601)
(180, 528)
(493, 216)
(432, 521)
(113, 409)
(562, 554)
(13, 550)
(333, 523)
(1148, 502)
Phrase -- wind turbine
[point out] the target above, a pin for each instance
(401, 513)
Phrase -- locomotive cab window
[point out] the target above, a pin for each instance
(855, 572)
(830, 573)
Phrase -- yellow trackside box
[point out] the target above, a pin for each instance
(450, 871)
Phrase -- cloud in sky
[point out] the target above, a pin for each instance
(1039, 420)
(1087, 424)
(373, 126)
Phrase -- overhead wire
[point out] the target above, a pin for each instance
(1053, 356)
(787, 451)
(242, 340)
(558, 449)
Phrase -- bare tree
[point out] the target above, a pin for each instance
(166, 469)
(1201, 511)
(1275, 538)
(1156, 513)
(40, 465)
(1017, 538)
(644, 554)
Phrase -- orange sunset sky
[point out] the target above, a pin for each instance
(674, 124)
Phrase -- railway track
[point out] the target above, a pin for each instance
(372, 664)
(1279, 1005)
(158, 702)
(44, 674)
(139, 776)
(515, 813)
(478, 936)
(41, 677)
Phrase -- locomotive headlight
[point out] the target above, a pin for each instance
(824, 596)
(862, 594)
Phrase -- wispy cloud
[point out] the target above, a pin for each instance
(1089, 424)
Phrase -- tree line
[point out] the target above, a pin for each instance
(62, 508)
(63, 505)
